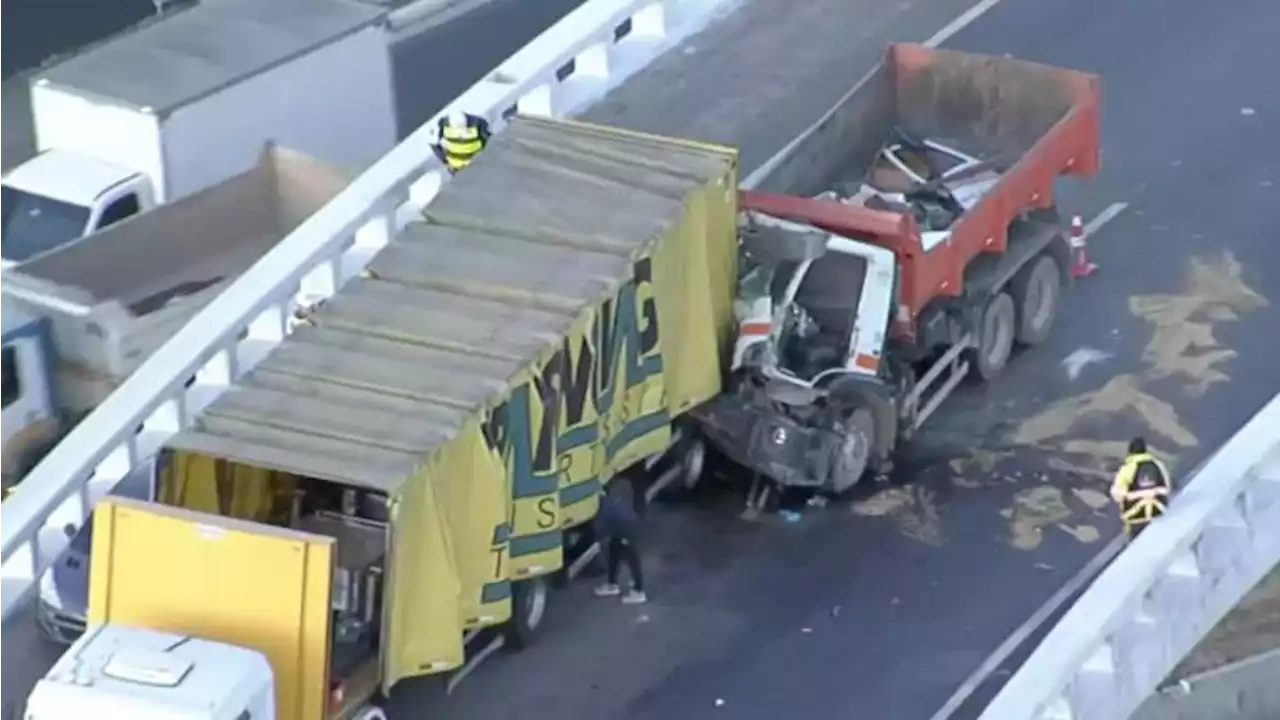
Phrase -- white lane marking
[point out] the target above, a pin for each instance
(1024, 631)
(965, 19)
(1104, 217)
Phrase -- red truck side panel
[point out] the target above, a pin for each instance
(1033, 121)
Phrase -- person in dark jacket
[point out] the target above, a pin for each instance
(618, 526)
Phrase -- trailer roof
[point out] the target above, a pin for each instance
(540, 228)
(193, 53)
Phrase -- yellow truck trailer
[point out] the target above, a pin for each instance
(402, 471)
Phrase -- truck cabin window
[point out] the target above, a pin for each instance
(821, 322)
(12, 385)
(120, 209)
(33, 224)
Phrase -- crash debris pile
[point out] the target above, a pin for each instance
(934, 182)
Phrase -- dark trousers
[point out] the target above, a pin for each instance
(619, 551)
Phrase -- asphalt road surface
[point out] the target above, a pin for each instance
(434, 62)
(882, 607)
(36, 30)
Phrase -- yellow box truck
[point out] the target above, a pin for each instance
(403, 470)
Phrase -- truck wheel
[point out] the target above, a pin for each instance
(1037, 290)
(692, 461)
(995, 337)
(854, 451)
(528, 610)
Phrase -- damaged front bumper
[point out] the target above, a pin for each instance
(767, 441)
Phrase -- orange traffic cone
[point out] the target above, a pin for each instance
(1080, 265)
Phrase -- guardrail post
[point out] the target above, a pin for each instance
(425, 188)
(538, 101)
(594, 62)
(650, 21)
(368, 241)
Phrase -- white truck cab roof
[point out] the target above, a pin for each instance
(124, 673)
(70, 177)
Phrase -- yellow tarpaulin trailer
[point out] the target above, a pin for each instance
(559, 304)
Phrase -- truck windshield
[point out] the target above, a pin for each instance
(33, 224)
(760, 280)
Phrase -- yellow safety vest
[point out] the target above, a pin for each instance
(1142, 496)
(460, 146)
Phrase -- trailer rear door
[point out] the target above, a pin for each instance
(218, 578)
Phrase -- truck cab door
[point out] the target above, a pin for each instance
(29, 420)
(875, 305)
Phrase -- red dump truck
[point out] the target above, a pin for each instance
(917, 243)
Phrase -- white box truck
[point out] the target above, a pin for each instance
(187, 102)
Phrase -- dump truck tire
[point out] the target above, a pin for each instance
(528, 611)
(1037, 291)
(996, 332)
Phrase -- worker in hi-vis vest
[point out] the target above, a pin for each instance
(1141, 488)
(462, 137)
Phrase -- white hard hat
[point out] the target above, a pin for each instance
(456, 119)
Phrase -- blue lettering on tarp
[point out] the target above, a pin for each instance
(624, 331)
(509, 433)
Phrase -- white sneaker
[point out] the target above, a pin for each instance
(635, 597)
(607, 590)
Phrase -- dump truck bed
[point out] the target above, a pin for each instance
(117, 295)
(1023, 123)
(561, 300)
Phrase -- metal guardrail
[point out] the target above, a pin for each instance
(1164, 593)
(562, 71)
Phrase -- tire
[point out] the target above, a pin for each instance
(1037, 292)
(996, 332)
(529, 600)
(693, 460)
(854, 453)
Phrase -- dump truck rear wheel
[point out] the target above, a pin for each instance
(528, 611)
(1037, 290)
(996, 334)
